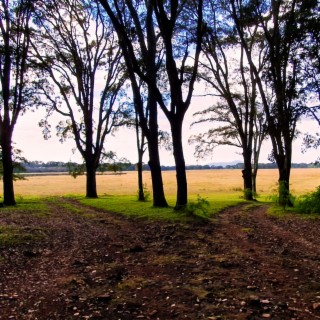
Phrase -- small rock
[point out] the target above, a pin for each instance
(316, 306)
(265, 301)
(266, 315)
(104, 297)
(252, 288)
(153, 313)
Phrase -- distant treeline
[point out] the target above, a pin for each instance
(57, 166)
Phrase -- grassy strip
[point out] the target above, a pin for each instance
(129, 206)
(279, 212)
(29, 205)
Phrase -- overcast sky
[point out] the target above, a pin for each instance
(28, 137)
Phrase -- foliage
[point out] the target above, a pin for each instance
(200, 207)
(309, 203)
(76, 169)
(111, 162)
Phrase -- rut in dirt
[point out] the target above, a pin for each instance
(98, 265)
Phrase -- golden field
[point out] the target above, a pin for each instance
(203, 182)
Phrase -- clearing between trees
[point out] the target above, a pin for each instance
(78, 262)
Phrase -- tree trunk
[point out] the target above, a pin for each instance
(284, 192)
(91, 186)
(159, 199)
(140, 148)
(141, 196)
(182, 187)
(7, 162)
(254, 181)
(247, 175)
(284, 168)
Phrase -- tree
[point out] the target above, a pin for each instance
(225, 131)
(76, 50)
(178, 29)
(284, 31)
(134, 24)
(15, 95)
(229, 78)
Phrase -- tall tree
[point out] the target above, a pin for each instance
(225, 130)
(15, 19)
(229, 78)
(283, 27)
(134, 24)
(76, 51)
(177, 27)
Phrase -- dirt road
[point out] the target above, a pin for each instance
(84, 263)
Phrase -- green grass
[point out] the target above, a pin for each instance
(279, 212)
(130, 206)
(30, 205)
(65, 205)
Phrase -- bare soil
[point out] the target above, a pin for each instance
(91, 264)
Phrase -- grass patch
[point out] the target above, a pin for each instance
(129, 206)
(279, 212)
(66, 205)
(252, 205)
(14, 236)
(247, 230)
(132, 283)
(28, 205)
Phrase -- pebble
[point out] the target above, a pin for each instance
(316, 306)
(265, 301)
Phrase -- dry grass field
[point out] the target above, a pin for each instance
(204, 182)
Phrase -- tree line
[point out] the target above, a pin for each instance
(104, 64)
(58, 166)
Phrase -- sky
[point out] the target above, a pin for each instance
(28, 138)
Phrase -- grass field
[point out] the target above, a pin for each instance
(203, 182)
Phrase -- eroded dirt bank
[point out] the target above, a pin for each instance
(89, 264)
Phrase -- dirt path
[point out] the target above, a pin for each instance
(90, 264)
